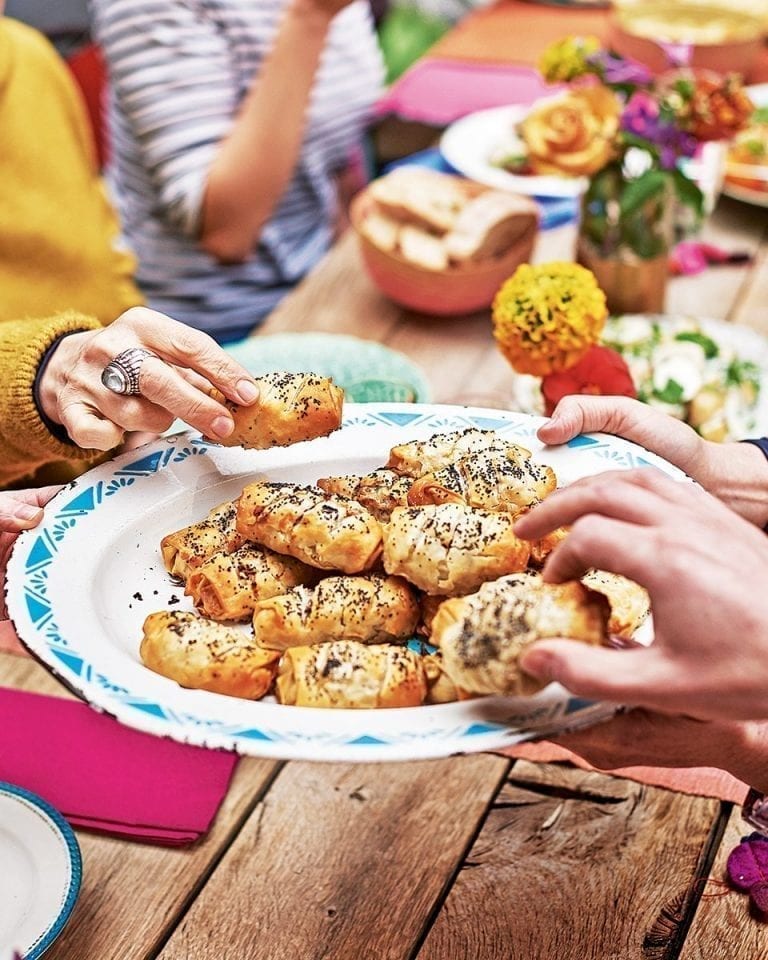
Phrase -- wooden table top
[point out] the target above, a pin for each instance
(467, 858)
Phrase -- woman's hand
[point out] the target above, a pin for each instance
(705, 570)
(174, 383)
(19, 510)
(737, 473)
(643, 738)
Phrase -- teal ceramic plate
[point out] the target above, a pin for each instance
(365, 369)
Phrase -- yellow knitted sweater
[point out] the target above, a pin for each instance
(58, 238)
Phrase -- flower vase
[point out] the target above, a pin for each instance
(625, 235)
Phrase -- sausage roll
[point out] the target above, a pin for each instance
(450, 548)
(630, 603)
(351, 675)
(482, 636)
(373, 609)
(228, 585)
(186, 549)
(204, 655)
(419, 457)
(291, 407)
(321, 529)
(379, 492)
(490, 479)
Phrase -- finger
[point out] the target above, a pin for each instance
(634, 496)
(134, 414)
(597, 673)
(164, 386)
(607, 544)
(193, 378)
(626, 418)
(89, 429)
(191, 348)
(18, 515)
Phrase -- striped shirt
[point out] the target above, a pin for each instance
(178, 72)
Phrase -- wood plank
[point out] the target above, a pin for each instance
(723, 924)
(341, 861)
(574, 866)
(133, 893)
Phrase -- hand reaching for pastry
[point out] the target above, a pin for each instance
(175, 368)
(704, 568)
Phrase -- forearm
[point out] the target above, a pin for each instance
(745, 755)
(255, 163)
(737, 474)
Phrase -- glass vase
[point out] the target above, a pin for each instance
(626, 231)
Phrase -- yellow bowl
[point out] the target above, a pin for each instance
(458, 289)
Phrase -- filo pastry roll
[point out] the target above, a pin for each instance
(450, 548)
(291, 407)
(205, 655)
(185, 549)
(323, 530)
(379, 492)
(373, 609)
(227, 586)
(351, 675)
(482, 636)
(419, 457)
(491, 480)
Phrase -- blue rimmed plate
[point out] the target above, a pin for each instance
(353, 363)
(40, 874)
(80, 585)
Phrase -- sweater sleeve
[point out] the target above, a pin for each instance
(25, 442)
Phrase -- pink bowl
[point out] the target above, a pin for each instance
(457, 290)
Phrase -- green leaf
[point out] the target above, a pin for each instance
(672, 392)
(688, 192)
(760, 115)
(742, 371)
(637, 192)
(708, 345)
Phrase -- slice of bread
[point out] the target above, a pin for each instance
(423, 249)
(422, 198)
(489, 225)
(381, 230)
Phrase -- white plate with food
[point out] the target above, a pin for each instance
(477, 146)
(40, 878)
(711, 374)
(746, 164)
(80, 586)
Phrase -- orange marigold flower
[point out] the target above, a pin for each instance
(546, 317)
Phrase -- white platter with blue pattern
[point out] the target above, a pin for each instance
(80, 585)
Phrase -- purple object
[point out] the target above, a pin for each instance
(747, 869)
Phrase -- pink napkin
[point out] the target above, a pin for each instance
(437, 92)
(106, 777)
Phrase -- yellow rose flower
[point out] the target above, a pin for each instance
(546, 317)
(566, 59)
(573, 134)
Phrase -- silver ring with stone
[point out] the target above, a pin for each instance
(121, 375)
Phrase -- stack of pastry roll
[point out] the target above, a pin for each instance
(336, 578)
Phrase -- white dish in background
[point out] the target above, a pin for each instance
(759, 95)
(470, 143)
(40, 871)
(80, 585)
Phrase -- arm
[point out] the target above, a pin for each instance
(737, 473)
(221, 165)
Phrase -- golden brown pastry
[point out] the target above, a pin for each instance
(630, 603)
(450, 548)
(380, 491)
(490, 479)
(541, 549)
(204, 655)
(374, 609)
(482, 636)
(321, 529)
(228, 585)
(418, 457)
(440, 687)
(291, 407)
(429, 605)
(186, 549)
(351, 675)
